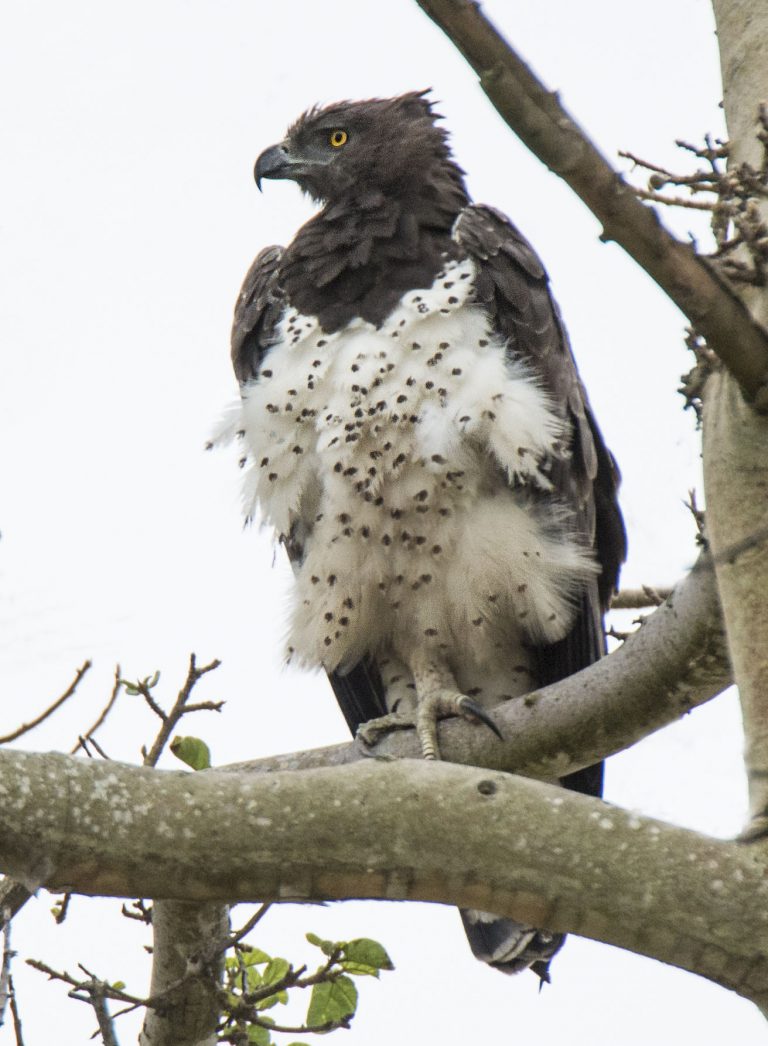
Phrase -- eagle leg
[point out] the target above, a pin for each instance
(437, 697)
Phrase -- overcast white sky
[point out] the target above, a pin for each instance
(128, 216)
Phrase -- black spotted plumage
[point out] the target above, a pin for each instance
(395, 216)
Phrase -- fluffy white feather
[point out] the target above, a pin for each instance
(397, 450)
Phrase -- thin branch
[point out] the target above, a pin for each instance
(635, 598)
(5, 970)
(245, 929)
(16, 1015)
(180, 708)
(672, 201)
(26, 727)
(98, 1001)
(63, 909)
(302, 1029)
(88, 735)
(536, 115)
(88, 743)
(78, 984)
(138, 911)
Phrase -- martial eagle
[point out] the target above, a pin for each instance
(415, 431)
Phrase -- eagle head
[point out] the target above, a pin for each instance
(389, 145)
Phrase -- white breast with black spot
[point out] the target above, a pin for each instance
(394, 451)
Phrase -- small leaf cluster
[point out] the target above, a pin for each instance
(141, 686)
(255, 982)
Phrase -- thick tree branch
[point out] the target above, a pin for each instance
(388, 830)
(736, 438)
(185, 974)
(538, 118)
(736, 477)
(678, 659)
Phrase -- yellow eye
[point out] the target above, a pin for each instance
(338, 138)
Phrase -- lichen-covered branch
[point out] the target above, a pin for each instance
(735, 437)
(382, 829)
(736, 477)
(185, 974)
(539, 119)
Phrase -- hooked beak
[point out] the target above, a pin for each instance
(276, 162)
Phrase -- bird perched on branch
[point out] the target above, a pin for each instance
(415, 431)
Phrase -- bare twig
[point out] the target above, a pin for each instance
(537, 116)
(303, 1029)
(98, 1000)
(694, 381)
(80, 985)
(15, 1014)
(673, 201)
(245, 929)
(63, 908)
(179, 709)
(88, 735)
(138, 911)
(87, 743)
(5, 970)
(26, 727)
(699, 518)
(735, 191)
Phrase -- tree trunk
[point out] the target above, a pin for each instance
(736, 434)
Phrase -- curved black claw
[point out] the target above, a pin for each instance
(474, 709)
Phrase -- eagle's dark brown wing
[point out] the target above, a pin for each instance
(513, 287)
(258, 310)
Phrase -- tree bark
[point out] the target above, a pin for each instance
(736, 436)
(186, 970)
(388, 830)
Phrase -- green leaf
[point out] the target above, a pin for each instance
(253, 978)
(258, 1035)
(276, 970)
(365, 956)
(332, 1001)
(135, 688)
(273, 972)
(326, 947)
(119, 986)
(254, 956)
(192, 751)
(272, 1000)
